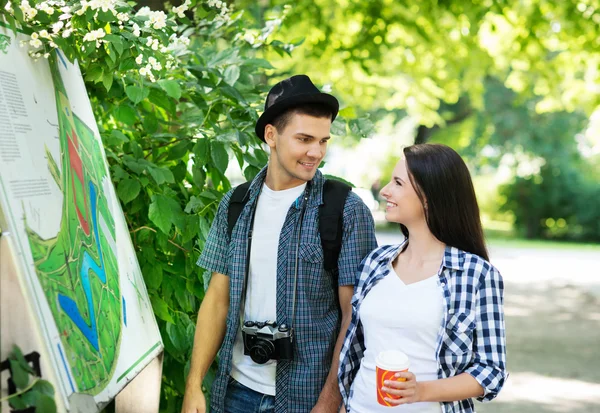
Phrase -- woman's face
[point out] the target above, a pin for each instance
(403, 203)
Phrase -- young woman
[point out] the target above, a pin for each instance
(434, 297)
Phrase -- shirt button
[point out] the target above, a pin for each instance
(451, 312)
(443, 284)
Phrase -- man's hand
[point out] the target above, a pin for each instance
(194, 401)
(323, 408)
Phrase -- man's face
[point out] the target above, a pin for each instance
(298, 149)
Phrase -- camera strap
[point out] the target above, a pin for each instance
(247, 272)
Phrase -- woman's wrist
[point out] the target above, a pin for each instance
(423, 388)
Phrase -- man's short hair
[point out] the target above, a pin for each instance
(317, 110)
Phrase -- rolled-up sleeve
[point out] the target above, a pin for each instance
(358, 239)
(214, 254)
(489, 360)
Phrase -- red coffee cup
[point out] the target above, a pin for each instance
(387, 364)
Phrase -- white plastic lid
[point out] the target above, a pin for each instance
(392, 360)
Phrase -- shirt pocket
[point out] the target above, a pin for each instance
(316, 283)
(460, 335)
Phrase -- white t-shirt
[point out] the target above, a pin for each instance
(260, 302)
(397, 316)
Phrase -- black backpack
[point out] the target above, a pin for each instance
(330, 217)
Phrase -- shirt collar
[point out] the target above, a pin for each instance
(454, 258)
(315, 197)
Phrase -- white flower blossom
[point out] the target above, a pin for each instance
(27, 10)
(136, 30)
(52, 44)
(66, 33)
(155, 63)
(139, 59)
(180, 11)
(35, 43)
(169, 64)
(94, 35)
(123, 17)
(35, 35)
(156, 19)
(67, 16)
(44, 34)
(46, 55)
(57, 26)
(144, 11)
(144, 71)
(8, 7)
(105, 5)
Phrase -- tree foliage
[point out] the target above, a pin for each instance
(412, 55)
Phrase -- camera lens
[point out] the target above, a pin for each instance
(261, 351)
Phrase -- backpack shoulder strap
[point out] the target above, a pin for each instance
(331, 221)
(236, 205)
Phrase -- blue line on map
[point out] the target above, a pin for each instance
(124, 312)
(68, 305)
(62, 356)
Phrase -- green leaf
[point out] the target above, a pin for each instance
(261, 63)
(177, 335)
(45, 404)
(250, 172)
(18, 355)
(153, 275)
(127, 64)
(171, 87)
(136, 94)
(94, 73)
(219, 155)
(128, 189)
(107, 80)
(161, 310)
(116, 42)
(19, 375)
(161, 175)
(17, 403)
(119, 135)
(232, 74)
(150, 122)
(44, 387)
(348, 112)
(338, 127)
(126, 114)
(164, 212)
(191, 228)
(201, 150)
(193, 205)
(198, 175)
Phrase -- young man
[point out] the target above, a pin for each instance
(284, 280)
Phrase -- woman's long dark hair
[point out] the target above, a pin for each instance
(444, 186)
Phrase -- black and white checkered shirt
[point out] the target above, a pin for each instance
(472, 336)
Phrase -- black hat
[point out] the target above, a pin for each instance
(292, 92)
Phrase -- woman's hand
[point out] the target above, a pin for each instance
(408, 390)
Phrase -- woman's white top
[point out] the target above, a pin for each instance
(397, 316)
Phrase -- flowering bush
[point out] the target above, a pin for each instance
(175, 94)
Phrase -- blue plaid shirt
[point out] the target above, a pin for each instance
(471, 338)
(316, 324)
